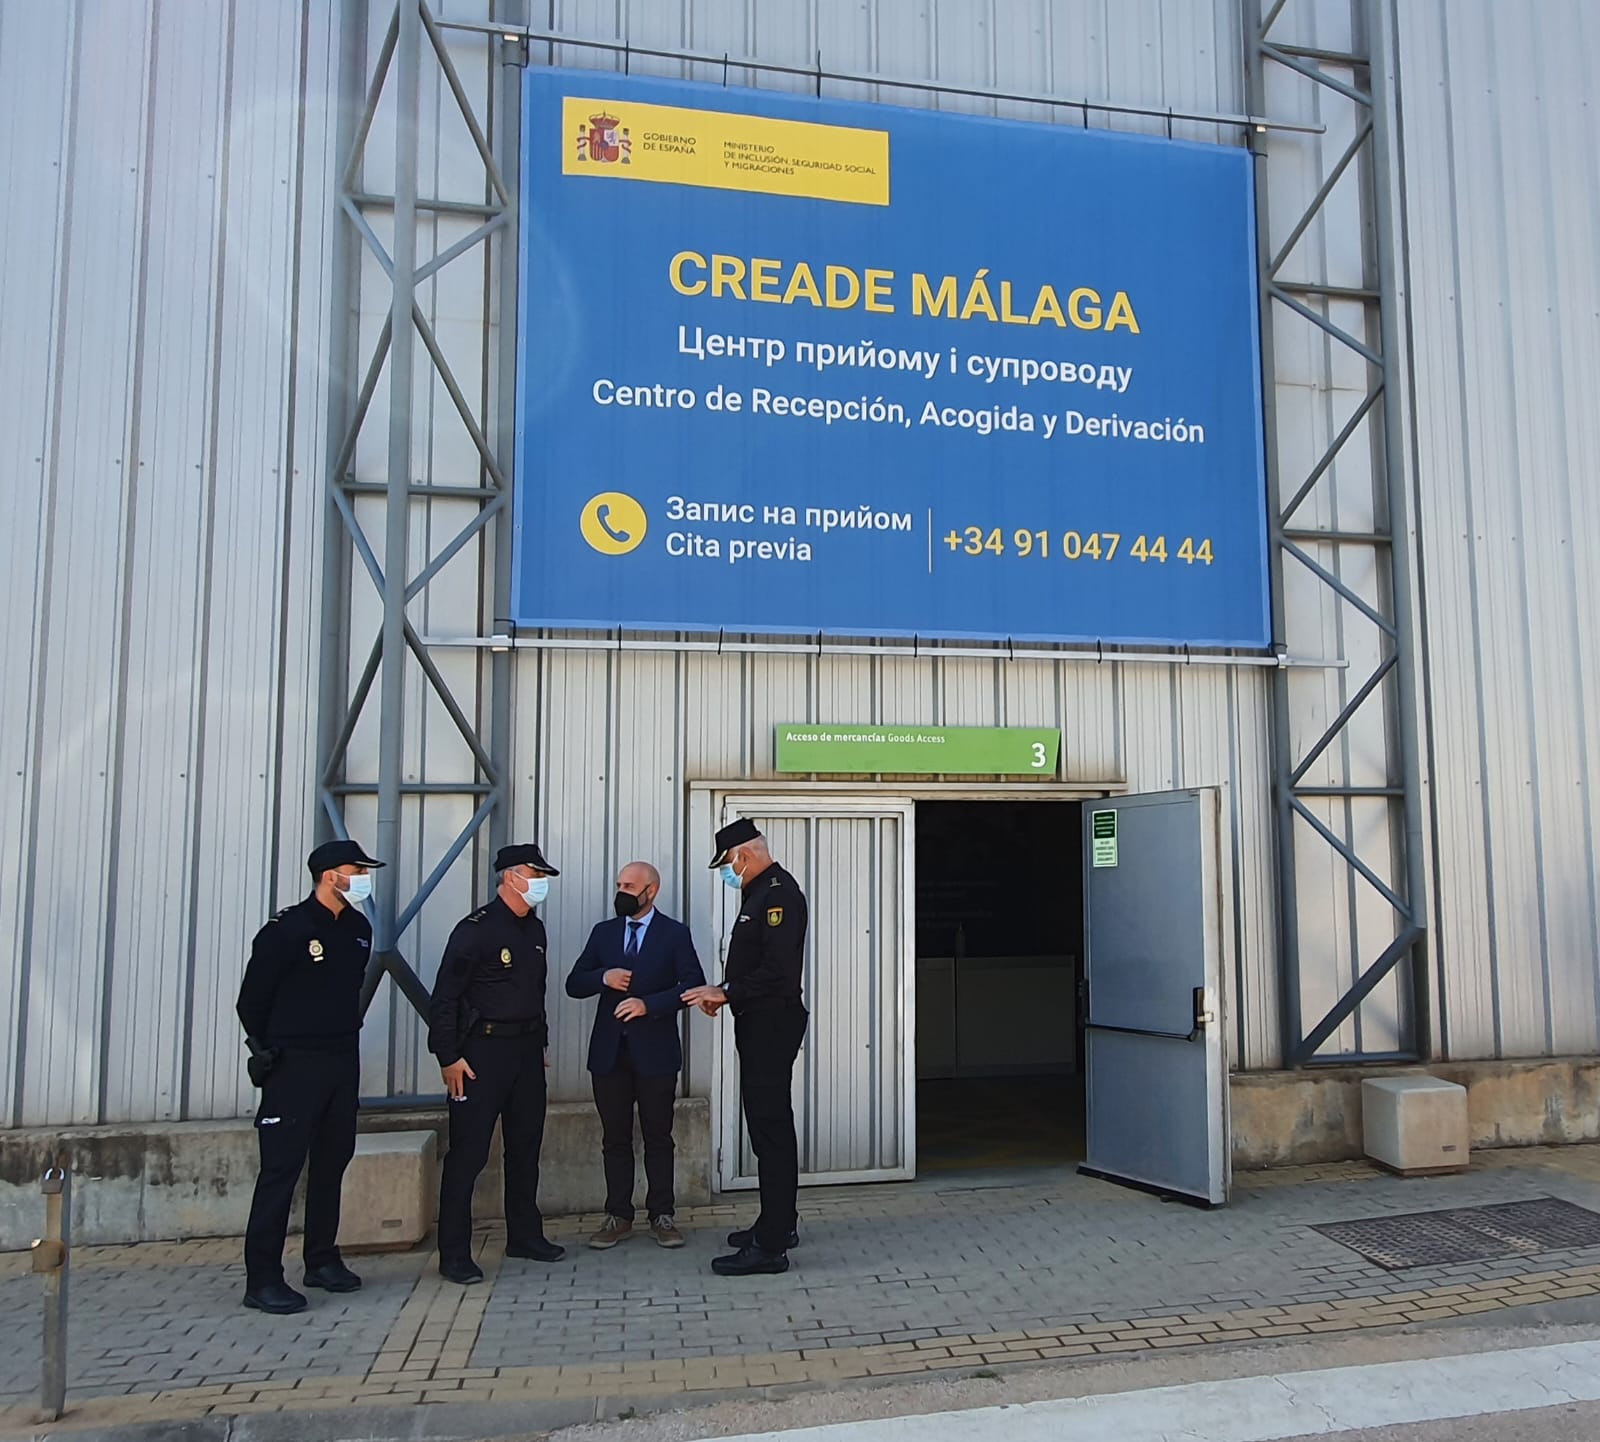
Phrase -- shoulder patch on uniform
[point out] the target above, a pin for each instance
(278, 916)
(774, 916)
(479, 914)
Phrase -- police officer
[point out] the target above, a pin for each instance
(488, 1030)
(300, 1003)
(766, 955)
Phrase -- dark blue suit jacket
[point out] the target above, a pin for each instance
(665, 968)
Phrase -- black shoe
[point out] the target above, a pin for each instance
(539, 1251)
(463, 1271)
(746, 1237)
(333, 1277)
(279, 1298)
(749, 1262)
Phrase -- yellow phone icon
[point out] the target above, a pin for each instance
(613, 523)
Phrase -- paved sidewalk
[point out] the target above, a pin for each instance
(889, 1280)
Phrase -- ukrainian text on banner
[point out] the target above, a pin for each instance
(799, 365)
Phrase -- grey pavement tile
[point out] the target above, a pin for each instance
(881, 1263)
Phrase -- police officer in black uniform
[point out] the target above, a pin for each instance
(766, 955)
(488, 1030)
(300, 1003)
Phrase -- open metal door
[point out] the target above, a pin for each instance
(854, 1080)
(1154, 1055)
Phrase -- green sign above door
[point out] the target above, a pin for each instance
(919, 750)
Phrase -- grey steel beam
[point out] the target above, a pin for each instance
(367, 200)
(1289, 1001)
(1329, 292)
(1351, 855)
(333, 765)
(505, 137)
(488, 513)
(344, 418)
(1322, 322)
(1315, 73)
(453, 388)
(381, 686)
(1390, 610)
(1330, 455)
(1317, 201)
(1384, 148)
(815, 72)
(418, 490)
(356, 15)
(1335, 583)
(1343, 719)
(397, 507)
(1391, 957)
(1339, 538)
(415, 788)
(462, 246)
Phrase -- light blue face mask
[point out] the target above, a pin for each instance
(730, 877)
(536, 890)
(359, 890)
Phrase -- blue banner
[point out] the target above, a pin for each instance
(800, 365)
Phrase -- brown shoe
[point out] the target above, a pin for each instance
(665, 1233)
(612, 1231)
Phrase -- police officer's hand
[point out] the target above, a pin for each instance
(618, 979)
(629, 1009)
(456, 1077)
(710, 999)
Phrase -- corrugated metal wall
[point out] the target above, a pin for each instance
(162, 288)
(1502, 193)
(621, 735)
(165, 284)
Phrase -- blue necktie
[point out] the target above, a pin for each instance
(632, 948)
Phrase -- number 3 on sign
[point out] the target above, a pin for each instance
(1040, 758)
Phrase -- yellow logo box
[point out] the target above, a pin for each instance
(623, 140)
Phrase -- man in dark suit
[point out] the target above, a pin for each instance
(639, 965)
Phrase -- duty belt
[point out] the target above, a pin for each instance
(508, 1028)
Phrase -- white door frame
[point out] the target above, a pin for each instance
(708, 801)
(807, 803)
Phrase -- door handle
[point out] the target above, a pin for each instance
(1203, 1017)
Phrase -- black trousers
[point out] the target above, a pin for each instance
(307, 1113)
(616, 1094)
(509, 1087)
(768, 1041)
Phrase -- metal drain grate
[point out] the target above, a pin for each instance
(1467, 1234)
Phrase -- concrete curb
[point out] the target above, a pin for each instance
(434, 1422)
(430, 1422)
(472, 1421)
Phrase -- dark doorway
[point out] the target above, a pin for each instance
(999, 896)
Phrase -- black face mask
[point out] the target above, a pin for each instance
(626, 904)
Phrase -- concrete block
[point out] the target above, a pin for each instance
(1291, 1119)
(160, 1181)
(1530, 1103)
(570, 1175)
(389, 1191)
(1415, 1125)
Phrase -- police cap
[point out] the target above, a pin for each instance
(526, 854)
(334, 854)
(735, 833)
